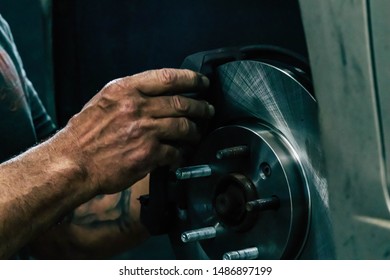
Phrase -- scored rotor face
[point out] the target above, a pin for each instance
(263, 109)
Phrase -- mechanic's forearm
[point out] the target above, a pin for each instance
(36, 190)
(123, 133)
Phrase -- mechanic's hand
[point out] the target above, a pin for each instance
(128, 128)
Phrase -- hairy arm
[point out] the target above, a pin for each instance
(124, 132)
(32, 187)
(104, 226)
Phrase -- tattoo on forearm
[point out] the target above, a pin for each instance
(114, 213)
(124, 203)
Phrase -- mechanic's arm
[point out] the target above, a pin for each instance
(99, 229)
(121, 135)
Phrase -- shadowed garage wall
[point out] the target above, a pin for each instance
(95, 41)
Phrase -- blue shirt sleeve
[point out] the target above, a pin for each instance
(42, 122)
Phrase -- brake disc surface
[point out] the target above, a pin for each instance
(257, 188)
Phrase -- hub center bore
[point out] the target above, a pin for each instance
(231, 196)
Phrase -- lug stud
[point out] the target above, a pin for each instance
(198, 234)
(193, 172)
(271, 203)
(246, 254)
(232, 152)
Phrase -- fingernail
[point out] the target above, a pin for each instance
(211, 110)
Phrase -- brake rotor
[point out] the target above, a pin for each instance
(256, 187)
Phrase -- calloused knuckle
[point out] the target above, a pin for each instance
(179, 104)
(133, 107)
(126, 86)
(167, 76)
(113, 85)
(106, 102)
(127, 109)
(136, 129)
(183, 126)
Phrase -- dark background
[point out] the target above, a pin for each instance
(95, 41)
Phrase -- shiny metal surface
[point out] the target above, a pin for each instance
(264, 108)
(231, 152)
(198, 234)
(262, 204)
(193, 172)
(245, 254)
(279, 233)
(257, 90)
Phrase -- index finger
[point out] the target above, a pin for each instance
(168, 80)
(178, 106)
